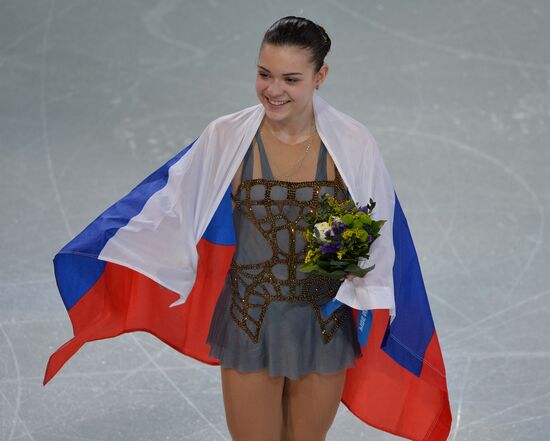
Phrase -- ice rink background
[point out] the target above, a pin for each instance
(96, 95)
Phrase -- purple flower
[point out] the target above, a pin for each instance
(330, 247)
(363, 209)
(338, 227)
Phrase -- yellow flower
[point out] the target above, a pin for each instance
(339, 254)
(347, 234)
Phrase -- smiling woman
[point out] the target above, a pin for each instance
(275, 358)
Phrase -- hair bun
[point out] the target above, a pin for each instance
(301, 32)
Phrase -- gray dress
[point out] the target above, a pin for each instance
(268, 313)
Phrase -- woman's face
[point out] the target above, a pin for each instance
(286, 81)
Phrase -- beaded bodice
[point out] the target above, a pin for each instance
(269, 215)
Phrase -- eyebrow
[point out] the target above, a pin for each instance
(286, 74)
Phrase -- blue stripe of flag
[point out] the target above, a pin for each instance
(410, 333)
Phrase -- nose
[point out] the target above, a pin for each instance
(274, 89)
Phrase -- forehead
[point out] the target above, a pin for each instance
(281, 59)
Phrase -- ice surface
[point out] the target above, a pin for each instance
(96, 95)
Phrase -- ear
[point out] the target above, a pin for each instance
(321, 75)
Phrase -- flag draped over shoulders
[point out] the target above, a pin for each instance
(156, 261)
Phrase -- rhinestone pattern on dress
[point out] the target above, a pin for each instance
(259, 284)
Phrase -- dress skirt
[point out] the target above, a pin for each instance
(289, 342)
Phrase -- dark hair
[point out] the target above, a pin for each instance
(301, 32)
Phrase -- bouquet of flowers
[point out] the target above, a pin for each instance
(339, 236)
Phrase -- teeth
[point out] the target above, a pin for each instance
(277, 103)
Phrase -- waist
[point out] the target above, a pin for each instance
(281, 283)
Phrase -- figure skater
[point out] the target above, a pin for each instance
(283, 365)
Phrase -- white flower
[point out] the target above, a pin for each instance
(320, 229)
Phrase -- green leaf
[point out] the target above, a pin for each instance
(307, 267)
(339, 263)
(359, 273)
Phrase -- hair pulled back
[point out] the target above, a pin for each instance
(301, 32)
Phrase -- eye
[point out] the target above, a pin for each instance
(292, 80)
(263, 74)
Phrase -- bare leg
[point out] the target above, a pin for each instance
(252, 403)
(310, 404)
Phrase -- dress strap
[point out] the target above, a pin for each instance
(266, 169)
(248, 164)
(321, 174)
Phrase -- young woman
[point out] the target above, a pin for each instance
(283, 366)
(204, 252)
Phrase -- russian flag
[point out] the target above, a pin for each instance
(106, 299)
(399, 384)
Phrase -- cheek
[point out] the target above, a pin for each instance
(260, 85)
(301, 93)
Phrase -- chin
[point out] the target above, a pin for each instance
(281, 118)
(276, 114)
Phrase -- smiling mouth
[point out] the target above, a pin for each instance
(277, 103)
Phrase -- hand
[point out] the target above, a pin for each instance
(348, 277)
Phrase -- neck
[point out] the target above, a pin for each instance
(295, 130)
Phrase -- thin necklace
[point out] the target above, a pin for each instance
(298, 164)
